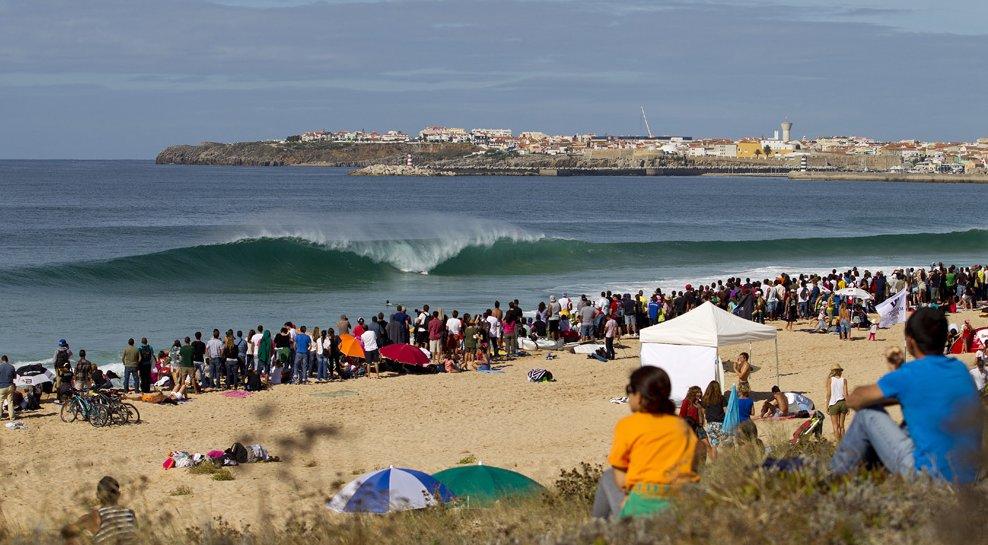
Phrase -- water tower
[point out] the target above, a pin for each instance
(786, 131)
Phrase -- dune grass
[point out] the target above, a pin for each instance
(737, 502)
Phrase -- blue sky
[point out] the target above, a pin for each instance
(124, 78)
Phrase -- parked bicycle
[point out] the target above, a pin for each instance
(80, 406)
(99, 408)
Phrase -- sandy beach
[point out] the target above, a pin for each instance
(327, 433)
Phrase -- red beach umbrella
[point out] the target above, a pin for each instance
(405, 353)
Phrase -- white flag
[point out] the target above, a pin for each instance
(892, 310)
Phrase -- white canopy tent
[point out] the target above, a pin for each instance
(686, 346)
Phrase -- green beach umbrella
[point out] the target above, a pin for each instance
(486, 484)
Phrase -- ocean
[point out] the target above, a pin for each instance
(96, 252)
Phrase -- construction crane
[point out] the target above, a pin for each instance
(647, 127)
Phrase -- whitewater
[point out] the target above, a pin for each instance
(99, 251)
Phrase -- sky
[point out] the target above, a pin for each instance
(124, 78)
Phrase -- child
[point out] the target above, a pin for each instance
(275, 376)
(653, 453)
(450, 364)
(873, 331)
(894, 357)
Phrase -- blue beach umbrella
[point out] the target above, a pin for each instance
(388, 490)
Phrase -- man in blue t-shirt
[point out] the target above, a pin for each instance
(302, 341)
(940, 406)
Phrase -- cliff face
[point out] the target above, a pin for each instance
(309, 153)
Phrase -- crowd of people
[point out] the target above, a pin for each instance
(454, 342)
(655, 452)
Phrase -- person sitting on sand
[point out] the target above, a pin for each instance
(775, 406)
(108, 524)
(746, 406)
(653, 453)
(944, 435)
(979, 373)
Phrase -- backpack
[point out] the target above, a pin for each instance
(145, 353)
(539, 375)
(61, 358)
(237, 453)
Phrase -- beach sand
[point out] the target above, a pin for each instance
(329, 433)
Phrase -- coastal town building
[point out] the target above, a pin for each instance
(830, 152)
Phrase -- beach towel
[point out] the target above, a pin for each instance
(490, 371)
(539, 375)
(732, 417)
(240, 394)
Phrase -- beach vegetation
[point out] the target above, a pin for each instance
(740, 499)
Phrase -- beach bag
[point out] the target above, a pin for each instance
(238, 453)
(811, 427)
(539, 375)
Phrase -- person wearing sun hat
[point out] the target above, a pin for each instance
(836, 389)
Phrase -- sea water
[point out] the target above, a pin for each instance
(99, 251)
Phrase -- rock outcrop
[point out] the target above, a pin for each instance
(310, 153)
(399, 170)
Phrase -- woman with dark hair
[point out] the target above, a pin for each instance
(653, 452)
(713, 410)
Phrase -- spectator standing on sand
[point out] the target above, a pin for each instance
(653, 452)
(302, 341)
(436, 329)
(231, 358)
(369, 339)
(146, 363)
(199, 360)
(84, 371)
(214, 351)
(493, 333)
(610, 333)
(187, 367)
(944, 435)
(7, 388)
(552, 312)
(836, 389)
(130, 359)
(108, 524)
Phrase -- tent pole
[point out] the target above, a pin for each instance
(777, 363)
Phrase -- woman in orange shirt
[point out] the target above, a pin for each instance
(653, 453)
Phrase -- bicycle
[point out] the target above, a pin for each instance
(118, 411)
(79, 406)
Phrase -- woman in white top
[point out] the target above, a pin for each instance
(836, 406)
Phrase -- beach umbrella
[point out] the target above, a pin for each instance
(350, 346)
(405, 353)
(389, 490)
(33, 375)
(486, 484)
(857, 293)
